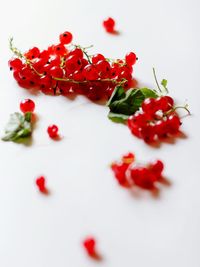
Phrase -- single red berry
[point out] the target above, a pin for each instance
(89, 244)
(143, 178)
(130, 59)
(148, 133)
(173, 124)
(119, 170)
(149, 106)
(52, 131)
(56, 72)
(76, 52)
(72, 64)
(15, 64)
(90, 73)
(66, 38)
(170, 100)
(109, 25)
(96, 58)
(32, 53)
(40, 182)
(60, 50)
(157, 167)
(27, 105)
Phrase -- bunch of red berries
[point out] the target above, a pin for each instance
(156, 120)
(65, 68)
(129, 174)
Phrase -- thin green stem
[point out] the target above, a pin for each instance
(178, 107)
(154, 74)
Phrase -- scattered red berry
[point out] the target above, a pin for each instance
(66, 38)
(27, 105)
(109, 25)
(131, 59)
(40, 182)
(90, 246)
(52, 131)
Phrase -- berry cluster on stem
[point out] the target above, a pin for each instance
(65, 68)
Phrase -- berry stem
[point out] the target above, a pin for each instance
(154, 74)
(178, 107)
(84, 52)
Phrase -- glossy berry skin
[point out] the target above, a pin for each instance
(27, 105)
(40, 182)
(119, 170)
(89, 245)
(109, 25)
(32, 53)
(66, 38)
(96, 58)
(94, 77)
(15, 64)
(52, 131)
(157, 120)
(130, 59)
(157, 167)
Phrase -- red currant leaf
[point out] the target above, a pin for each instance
(119, 118)
(117, 94)
(18, 127)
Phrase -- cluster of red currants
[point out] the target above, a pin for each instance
(129, 174)
(66, 68)
(156, 120)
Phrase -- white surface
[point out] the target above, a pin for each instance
(38, 231)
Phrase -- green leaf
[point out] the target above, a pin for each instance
(122, 104)
(120, 118)
(164, 84)
(149, 92)
(18, 127)
(117, 94)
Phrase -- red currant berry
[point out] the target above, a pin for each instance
(173, 124)
(89, 244)
(170, 100)
(147, 133)
(56, 72)
(109, 25)
(90, 73)
(66, 38)
(15, 64)
(32, 53)
(27, 105)
(120, 172)
(131, 59)
(52, 131)
(59, 50)
(96, 58)
(40, 182)
(157, 167)
(149, 106)
(72, 64)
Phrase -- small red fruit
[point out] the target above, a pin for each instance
(27, 105)
(66, 38)
(89, 244)
(130, 59)
(109, 25)
(40, 182)
(52, 131)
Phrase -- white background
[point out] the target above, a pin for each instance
(39, 231)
